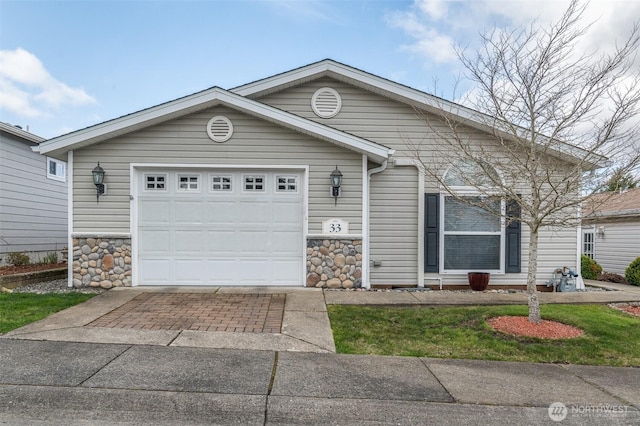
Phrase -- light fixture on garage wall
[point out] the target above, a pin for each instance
(98, 181)
(336, 181)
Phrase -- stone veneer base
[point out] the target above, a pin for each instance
(334, 263)
(101, 261)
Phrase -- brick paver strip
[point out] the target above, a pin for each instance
(239, 313)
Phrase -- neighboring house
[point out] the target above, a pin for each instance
(33, 197)
(611, 229)
(233, 187)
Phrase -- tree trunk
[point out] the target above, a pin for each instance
(534, 304)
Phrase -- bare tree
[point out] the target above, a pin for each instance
(555, 121)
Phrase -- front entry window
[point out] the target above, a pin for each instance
(471, 223)
(472, 236)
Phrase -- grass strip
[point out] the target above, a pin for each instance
(18, 309)
(611, 337)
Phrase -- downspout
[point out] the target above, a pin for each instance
(579, 279)
(70, 218)
(367, 217)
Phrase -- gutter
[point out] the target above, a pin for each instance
(612, 215)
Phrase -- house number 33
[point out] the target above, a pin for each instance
(335, 226)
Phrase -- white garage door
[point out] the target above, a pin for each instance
(220, 228)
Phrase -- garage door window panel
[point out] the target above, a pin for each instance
(254, 183)
(287, 184)
(188, 183)
(155, 182)
(222, 183)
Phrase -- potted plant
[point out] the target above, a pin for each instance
(478, 281)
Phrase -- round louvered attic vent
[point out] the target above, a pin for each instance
(219, 129)
(326, 102)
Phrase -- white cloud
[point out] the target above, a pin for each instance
(27, 89)
(436, 9)
(430, 43)
(436, 26)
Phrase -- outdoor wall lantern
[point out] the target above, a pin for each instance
(98, 181)
(336, 181)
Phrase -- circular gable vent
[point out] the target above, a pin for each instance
(326, 102)
(219, 129)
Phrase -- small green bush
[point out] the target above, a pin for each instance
(51, 257)
(18, 259)
(589, 268)
(632, 273)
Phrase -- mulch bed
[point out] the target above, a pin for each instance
(35, 267)
(521, 326)
(631, 308)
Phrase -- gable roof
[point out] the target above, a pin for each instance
(605, 205)
(399, 92)
(203, 100)
(23, 135)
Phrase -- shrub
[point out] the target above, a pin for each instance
(18, 259)
(51, 257)
(632, 273)
(612, 278)
(589, 268)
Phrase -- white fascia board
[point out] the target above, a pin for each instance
(313, 70)
(466, 115)
(201, 101)
(328, 67)
(404, 94)
(132, 122)
(377, 152)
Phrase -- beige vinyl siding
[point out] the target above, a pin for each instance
(394, 192)
(398, 126)
(33, 209)
(394, 225)
(556, 249)
(363, 114)
(619, 246)
(185, 141)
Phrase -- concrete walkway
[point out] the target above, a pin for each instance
(305, 323)
(60, 371)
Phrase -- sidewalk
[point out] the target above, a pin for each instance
(61, 371)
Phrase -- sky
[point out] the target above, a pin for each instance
(67, 65)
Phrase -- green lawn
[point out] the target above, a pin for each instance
(18, 309)
(611, 337)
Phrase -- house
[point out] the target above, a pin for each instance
(611, 229)
(33, 197)
(236, 187)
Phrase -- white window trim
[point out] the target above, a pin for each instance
(57, 177)
(156, 175)
(188, 189)
(286, 191)
(253, 191)
(442, 233)
(222, 176)
(592, 231)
